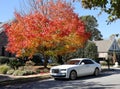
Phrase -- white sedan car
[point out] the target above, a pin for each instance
(75, 68)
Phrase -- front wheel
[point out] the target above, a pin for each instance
(73, 75)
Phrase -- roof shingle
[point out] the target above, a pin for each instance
(104, 45)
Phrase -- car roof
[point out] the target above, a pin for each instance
(79, 58)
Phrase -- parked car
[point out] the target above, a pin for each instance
(75, 68)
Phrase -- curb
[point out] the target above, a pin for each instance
(24, 80)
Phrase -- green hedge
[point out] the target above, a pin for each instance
(15, 63)
(4, 60)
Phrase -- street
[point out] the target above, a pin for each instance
(106, 80)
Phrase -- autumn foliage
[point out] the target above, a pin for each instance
(50, 29)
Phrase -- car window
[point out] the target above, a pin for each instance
(74, 62)
(87, 62)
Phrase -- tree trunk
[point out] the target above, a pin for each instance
(45, 61)
(60, 61)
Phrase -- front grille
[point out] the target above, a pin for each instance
(55, 70)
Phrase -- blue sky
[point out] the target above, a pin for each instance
(7, 8)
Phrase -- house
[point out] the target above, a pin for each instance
(107, 48)
(3, 42)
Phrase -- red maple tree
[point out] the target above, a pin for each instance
(51, 29)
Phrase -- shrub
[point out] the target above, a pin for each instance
(43, 71)
(103, 63)
(15, 63)
(10, 72)
(12, 58)
(18, 73)
(4, 69)
(21, 68)
(38, 71)
(4, 60)
(37, 59)
(28, 72)
(29, 63)
(23, 72)
(46, 70)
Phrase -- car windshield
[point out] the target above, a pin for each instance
(73, 62)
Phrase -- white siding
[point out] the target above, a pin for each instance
(103, 55)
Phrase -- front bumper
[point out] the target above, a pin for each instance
(59, 75)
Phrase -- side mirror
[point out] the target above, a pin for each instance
(82, 63)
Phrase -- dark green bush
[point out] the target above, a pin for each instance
(37, 59)
(15, 63)
(4, 60)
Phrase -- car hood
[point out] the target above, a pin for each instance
(64, 66)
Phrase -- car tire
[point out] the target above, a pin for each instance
(96, 72)
(73, 75)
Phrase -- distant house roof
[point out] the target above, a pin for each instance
(1, 28)
(104, 45)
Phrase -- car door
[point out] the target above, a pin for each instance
(85, 67)
(82, 69)
(89, 66)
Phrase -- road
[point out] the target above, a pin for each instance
(106, 80)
